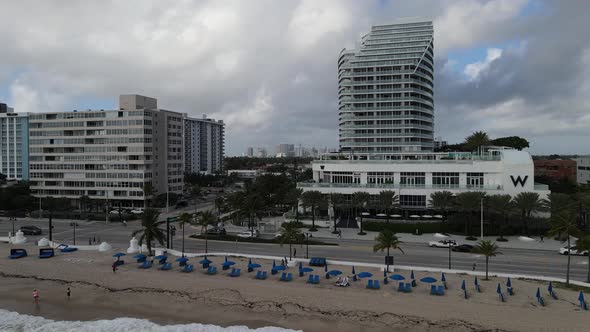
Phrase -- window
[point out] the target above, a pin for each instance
(474, 180)
(380, 177)
(413, 179)
(412, 200)
(445, 179)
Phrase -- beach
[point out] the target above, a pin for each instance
(172, 297)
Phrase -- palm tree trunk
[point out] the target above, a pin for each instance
(313, 217)
(387, 259)
(182, 239)
(588, 277)
(487, 260)
(567, 275)
(290, 252)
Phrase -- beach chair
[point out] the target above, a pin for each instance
(441, 290)
(235, 273)
(145, 265)
(261, 275)
(17, 253)
(264, 275)
(510, 291)
(162, 261)
(211, 270)
(408, 288)
(283, 276)
(46, 253)
(400, 287)
(316, 279)
(141, 260)
(432, 290)
(289, 277)
(188, 268)
(165, 267)
(376, 284)
(310, 279)
(370, 283)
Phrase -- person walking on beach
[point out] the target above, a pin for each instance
(294, 252)
(68, 293)
(541, 237)
(114, 267)
(35, 295)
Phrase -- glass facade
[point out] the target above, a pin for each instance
(14, 146)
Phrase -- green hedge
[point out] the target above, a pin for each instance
(378, 226)
(235, 238)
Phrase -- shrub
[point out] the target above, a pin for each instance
(378, 226)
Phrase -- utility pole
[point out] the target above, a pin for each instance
(481, 219)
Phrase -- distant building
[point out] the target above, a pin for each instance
(250, 152)
(556, 169)
(439, 143)
(285, 150)
(14, 144)
(261, 153)
(583, 170)
(203, 145)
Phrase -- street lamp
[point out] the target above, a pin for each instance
(481, 219)
(307, 236)
(74, 224)
(13, 219)
(363, 214)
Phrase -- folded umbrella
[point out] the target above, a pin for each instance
(463, 285)
(412, 275)
(443, 278)
(499, 289)
(509, 284)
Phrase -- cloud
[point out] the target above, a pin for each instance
(473, 70)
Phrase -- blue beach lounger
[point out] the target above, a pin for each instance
(432, 290)
(376, 284)
(165, 267)
(17, 253)
(370, 283)
(400, 287)
(408, 288)
(316, 279)
(441, 290)
(145, 265)
(187, 268)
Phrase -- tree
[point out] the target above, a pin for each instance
(290, 234)
(564, 222)
(469, 202)
(148, 191)
(207, 218)
(337, 201)
(387, 240)
(292, 199)
(150, 229)
(196, 192)
(527, 203)
(502, 206)
(583, 244)
(476, 140)
(514, 142)
(387, 199)
(219, 202)
(84, 203)
(184, 219)
(360, 199)
(488, 249)
(441, 201)
(313, 199)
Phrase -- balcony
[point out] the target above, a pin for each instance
(396, 186)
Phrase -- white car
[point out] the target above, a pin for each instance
(442, 243)
(248, 234)
(136, 211)
(572, 251)
(115, 212)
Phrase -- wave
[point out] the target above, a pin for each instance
(13, 321)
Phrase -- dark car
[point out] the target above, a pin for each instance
(30, 230)
(181, 204)
(463, 248)
(216, 231)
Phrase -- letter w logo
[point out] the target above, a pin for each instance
(519, 180)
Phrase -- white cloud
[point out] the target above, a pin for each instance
(473, 70)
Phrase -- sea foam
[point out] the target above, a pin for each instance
(13, 321)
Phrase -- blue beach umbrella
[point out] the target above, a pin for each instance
(334, 272)
(412, 275)
(365, 275)
(228, 263)
(159, 257)
(397, 277)
(182, 259)
(118, 255)
(428, 280)
(443, 278)
(279, 268)
(499, 289)
(205, 261)
(306, 269)
(254, 266)
(139, 256)
(463, 285)
(538, 295)
(509, 283)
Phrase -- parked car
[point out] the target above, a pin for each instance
(463, 248)
(572, 251)
(181, 204)
(136, 211)
(442, 243)
(216, 231)
(31, 230)
(116, 212)
(249, 234)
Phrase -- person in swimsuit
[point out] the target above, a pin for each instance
(35, 295)
(68, 293)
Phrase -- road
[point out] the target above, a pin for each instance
(520, 261)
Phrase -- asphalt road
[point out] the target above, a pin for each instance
(520, 261)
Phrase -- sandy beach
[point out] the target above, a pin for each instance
(171, 297)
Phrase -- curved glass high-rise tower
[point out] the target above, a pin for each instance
(386, 91)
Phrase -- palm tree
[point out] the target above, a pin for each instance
(564, 222)
(337, 200)
(476, 140)
(207, 218)
(527, 203)
(488, 249)
(469, 202)
(503, 206)
(313, 199)
(583, 244)
(387, 199)
(292, 199)
(195, 192)
(290, 234)
(219, 202)
(387, 240)
(360, 199)
(441, 201)
(150, 229)
(148, 191)
(184, 219)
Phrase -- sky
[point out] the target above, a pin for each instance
(268, 68)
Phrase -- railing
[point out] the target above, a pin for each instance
(387, 135)
(396, 186)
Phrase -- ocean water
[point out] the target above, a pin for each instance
(13, 321)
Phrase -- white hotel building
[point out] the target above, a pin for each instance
(414, 177)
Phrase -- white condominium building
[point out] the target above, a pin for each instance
(414, 177)
(204, 144)
(386, 91)
(107, 155)
(14, 144)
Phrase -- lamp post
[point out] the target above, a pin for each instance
(481, 219)
(449, 256)
(74, 224)
(307, 236)
(13, 219)
(363, 214)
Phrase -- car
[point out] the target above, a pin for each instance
(31, 230)
(249, 234)
(442, 243)
(181, 204)
(463, 248)
(572, 251)
(136, 211)
(216, 231)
